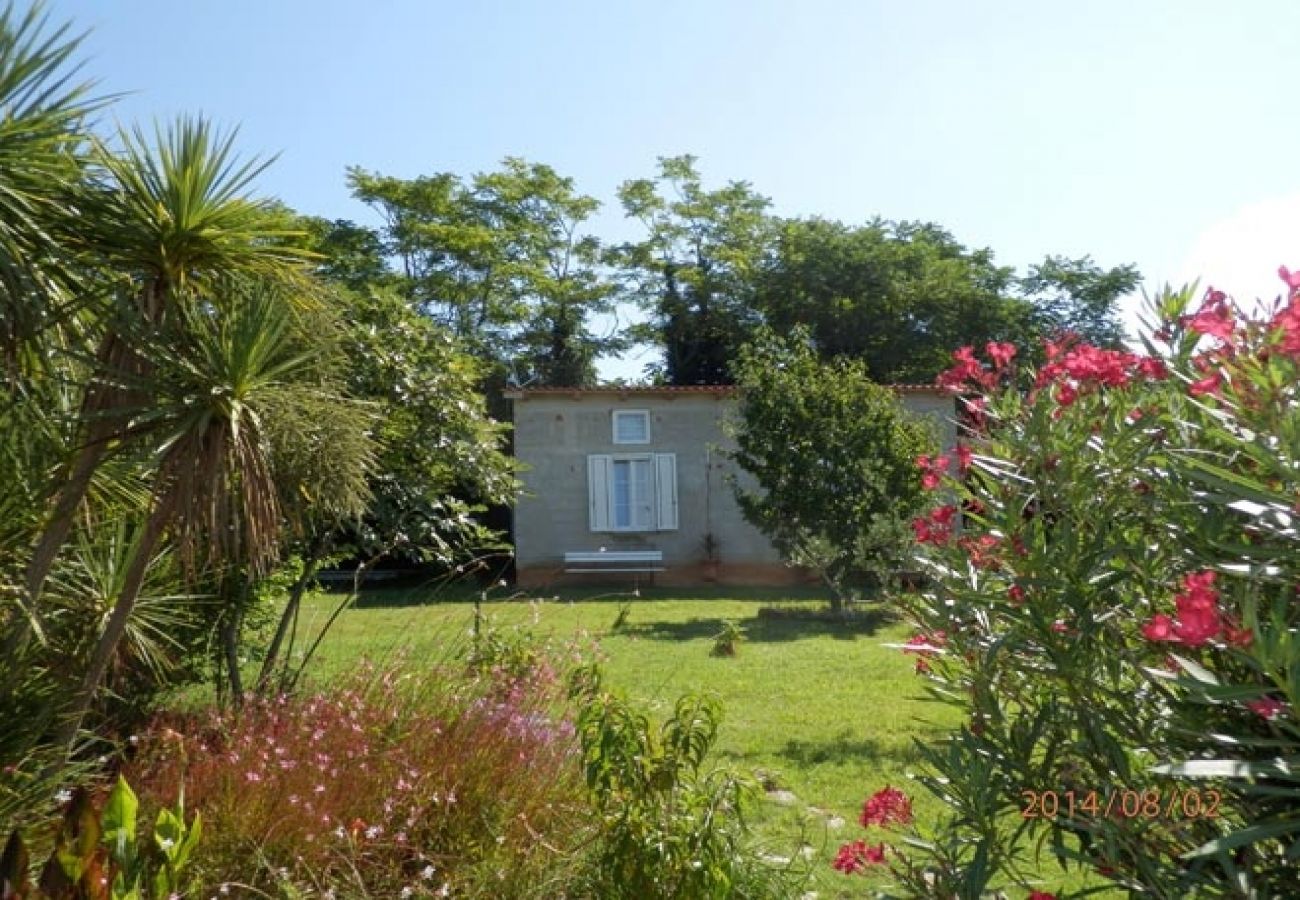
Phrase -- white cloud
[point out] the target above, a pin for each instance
(1241, 254)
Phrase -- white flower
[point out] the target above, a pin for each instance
(62, 797)
(373, 832)
(166, 844)
(427, 872)
(406, 891)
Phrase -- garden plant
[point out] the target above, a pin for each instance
(1112, 552)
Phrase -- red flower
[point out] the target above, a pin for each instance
(966, 368)
(1041, 895)
(1001, 354)
(964, 458)
(981, 551)
(1267, 707)
(1066, 394)
(1238, 636)
(1016, 594)
(855, 857)
(1213, 318)
(885, 807)
(1160, 628)
(1208, 385)
(1287, 324)
(1199, 619)
(936, 528)
(932, 470)
(1152, 368)
(926, 643)
(1292, 279)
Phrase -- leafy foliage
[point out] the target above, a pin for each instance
(671, 827)
(1116, 616)
(897, 296)
(832, 457)
(695, 269)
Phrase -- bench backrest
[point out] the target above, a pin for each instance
(614, 556)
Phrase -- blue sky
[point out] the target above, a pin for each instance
(1159, 133)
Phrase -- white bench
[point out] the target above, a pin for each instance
(592, 561)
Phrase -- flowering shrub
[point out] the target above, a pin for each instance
(1113, 609)
(390, 784)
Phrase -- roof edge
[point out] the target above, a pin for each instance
(649, 389)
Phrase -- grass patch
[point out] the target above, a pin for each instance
(816, 705)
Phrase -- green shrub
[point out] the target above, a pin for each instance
(670, 827)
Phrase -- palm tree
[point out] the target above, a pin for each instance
(43, 159)
(220, 366)
(162, 226)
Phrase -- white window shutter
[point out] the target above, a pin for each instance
(598, 491)
(666, 490)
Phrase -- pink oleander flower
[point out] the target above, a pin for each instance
(935, 528)
(1267, 707)
(964, 458)
(1287, 324)
(857, 856)
(1292, 279)
(1160, 628)
(1000, 353)
(887, 806)
(932, 470)
(1211, 384)
(1214, 318)
(1152, 368)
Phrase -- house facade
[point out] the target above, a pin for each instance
(643, 468)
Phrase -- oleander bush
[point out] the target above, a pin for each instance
(1113, 558)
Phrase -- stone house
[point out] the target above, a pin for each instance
(641, 469)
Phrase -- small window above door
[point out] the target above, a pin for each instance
(632, 426)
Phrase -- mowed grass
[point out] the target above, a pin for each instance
(824, 710)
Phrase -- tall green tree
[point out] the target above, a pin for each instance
(833, 458)
(695, 270)
(1078, 296)
(897, 296)
(502, 261)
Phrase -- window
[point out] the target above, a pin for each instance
(632, 426)
(632, 492)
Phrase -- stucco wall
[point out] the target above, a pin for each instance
(554, 434)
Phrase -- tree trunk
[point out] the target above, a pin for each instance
(309, 564)
(111, 636)
(230, 648)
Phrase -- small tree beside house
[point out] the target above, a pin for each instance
(833, 454)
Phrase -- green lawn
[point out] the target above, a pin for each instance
(823, 710)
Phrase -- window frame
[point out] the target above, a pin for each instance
(614, 436)
(662, 499)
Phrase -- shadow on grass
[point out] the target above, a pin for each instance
(770, 626)
(420, 591)
(844, 748)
